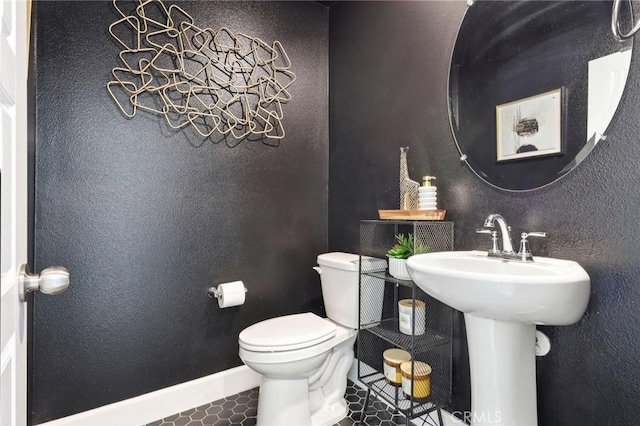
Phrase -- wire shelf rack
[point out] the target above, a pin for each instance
(380, 329)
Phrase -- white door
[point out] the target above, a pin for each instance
(13, 135)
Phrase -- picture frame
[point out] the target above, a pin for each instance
(530, 127)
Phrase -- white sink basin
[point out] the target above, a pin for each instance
(502, 301)
(546, 291)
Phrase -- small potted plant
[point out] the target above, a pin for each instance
(400, 252)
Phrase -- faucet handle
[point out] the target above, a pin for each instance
(524, 253)
(525, 235)
(494, 239)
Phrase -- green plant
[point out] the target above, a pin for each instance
(405, 247)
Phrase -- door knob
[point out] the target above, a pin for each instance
(51, 280)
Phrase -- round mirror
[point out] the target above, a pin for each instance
(533, 86)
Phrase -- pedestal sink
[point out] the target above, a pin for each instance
(502, 301)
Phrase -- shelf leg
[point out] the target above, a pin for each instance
(364, 406)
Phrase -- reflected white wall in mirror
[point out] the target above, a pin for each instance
(607, 78)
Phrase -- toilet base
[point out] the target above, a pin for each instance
(330, 415)
(283, 402)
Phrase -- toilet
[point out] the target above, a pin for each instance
(303, 358)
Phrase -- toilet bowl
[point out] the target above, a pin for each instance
(303, 358)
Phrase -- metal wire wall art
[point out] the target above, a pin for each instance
(215, 81)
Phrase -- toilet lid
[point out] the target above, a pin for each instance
(287, 333)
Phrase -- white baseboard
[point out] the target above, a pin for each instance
(166, 402)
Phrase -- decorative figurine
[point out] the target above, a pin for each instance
(408, 187)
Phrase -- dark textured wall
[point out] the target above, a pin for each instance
(146, 219)
(389, 66)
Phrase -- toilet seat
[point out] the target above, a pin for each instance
(275, 356)
(287, 333)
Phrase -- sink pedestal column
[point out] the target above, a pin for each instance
(503, 372)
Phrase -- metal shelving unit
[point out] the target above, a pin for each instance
(379, 326)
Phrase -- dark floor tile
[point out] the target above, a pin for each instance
(243, 399)
(249, 422)
(209, 420)
(225, 414)
(181, 421)
(228, 404)
(252, 411)
(372, 420)
(237, 419)
(214, 409)
(347, 421)
(198, 415)
(203, 407)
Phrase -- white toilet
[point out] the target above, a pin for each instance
(304, 359)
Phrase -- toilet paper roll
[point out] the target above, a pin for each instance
(231, 294)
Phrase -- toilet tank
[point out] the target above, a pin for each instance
(339, 275)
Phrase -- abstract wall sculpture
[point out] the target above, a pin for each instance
(216, 81)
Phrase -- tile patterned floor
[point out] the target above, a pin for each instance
(241, 410)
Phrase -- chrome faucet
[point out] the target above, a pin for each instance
(507, 252)
(505, 230)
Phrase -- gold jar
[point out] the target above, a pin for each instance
(421, 379)
(392, 359)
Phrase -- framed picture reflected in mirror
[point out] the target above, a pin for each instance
(529, 127)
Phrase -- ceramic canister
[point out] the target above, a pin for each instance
(422, 376)
(406, 313)
(392, 359)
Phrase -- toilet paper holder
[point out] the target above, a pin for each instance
(213, 292)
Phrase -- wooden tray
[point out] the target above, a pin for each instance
(412, 214)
